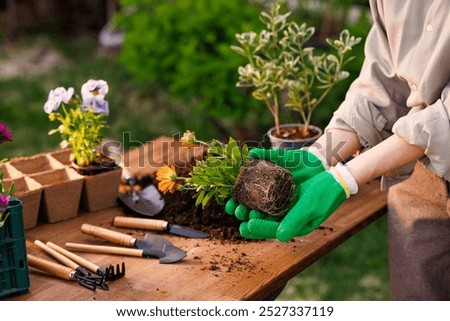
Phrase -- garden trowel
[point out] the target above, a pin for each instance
(147, 202)
(151, 246)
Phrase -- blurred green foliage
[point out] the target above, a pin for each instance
(357, 270)
(183, 47)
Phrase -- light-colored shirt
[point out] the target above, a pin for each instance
(404, 84)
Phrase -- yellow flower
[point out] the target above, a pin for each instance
(188, 140)
(167, 178)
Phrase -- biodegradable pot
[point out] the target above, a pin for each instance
(286, 143)
(9, 171)
(101, 183)
(29, 192)
(61, 194)
(62, 156)
(35, 164)
(100, 190)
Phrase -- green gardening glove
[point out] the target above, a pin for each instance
(318, 198)
(303, 164)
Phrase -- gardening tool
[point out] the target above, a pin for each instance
(62, 271)
(109, 272)
(98, 280)
(148, 201)
(157, 225)
(151, 246)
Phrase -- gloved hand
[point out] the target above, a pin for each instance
(302, 163)
(318, 192)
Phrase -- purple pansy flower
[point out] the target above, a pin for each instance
(5, 134)
(56, 97)
(93, 93)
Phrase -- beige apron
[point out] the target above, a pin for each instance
(419, 237)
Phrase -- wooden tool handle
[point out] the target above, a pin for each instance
(61, 258)
(104, 249)
(141, 223)
(76, 258)
(53, 268)
(112, 236)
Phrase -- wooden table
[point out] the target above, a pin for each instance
(213, 269)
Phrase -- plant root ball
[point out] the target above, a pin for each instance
(264, 186)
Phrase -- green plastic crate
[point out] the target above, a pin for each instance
(14, 276)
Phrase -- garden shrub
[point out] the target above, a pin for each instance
(183, 47)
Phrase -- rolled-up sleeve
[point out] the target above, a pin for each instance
(377, 98)
(429, 128)
(404, 85)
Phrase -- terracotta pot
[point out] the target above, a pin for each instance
(61, 194)
(100, 190)
(29, 192)
(14, 276)
(286, 143)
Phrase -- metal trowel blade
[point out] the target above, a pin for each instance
(149, 201)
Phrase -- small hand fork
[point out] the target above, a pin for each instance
(61, 271)
(109, 272)
(83, 276)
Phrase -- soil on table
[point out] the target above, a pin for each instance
(180, 209)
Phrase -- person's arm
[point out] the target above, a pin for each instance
(391, 154)
(387, 156)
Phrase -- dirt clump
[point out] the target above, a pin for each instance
(264, 186)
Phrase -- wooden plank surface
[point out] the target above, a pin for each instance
(213, 269)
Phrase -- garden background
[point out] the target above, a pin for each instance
(173, 70)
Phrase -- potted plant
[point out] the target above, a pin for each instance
(284, 71)
(82, 120)
(226, 171)
(13, 256)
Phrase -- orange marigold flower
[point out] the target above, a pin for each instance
(167, 178)
(188, 139)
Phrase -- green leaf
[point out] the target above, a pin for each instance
(3, 219)
(208, 198)
(12, 189)
(199, 197)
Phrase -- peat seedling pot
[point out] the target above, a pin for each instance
(29, 192)
(9, 171)
(291, 138)
(61, 194)
(35, 164)
(62, 156)
(101, 184)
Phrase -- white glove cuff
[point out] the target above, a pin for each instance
(315, 152)
(345, 178)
